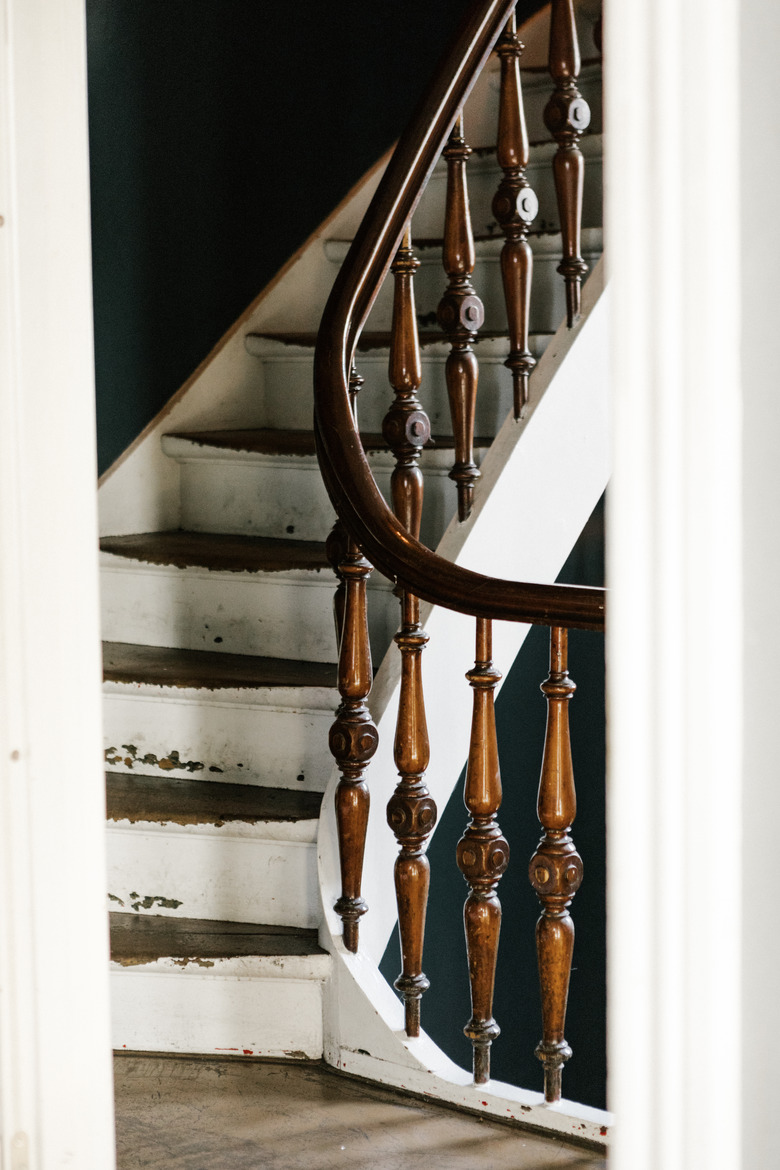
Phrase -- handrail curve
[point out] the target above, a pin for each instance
(344, 465)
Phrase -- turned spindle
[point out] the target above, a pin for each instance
(336, 544)
(353, 736)
(515, 206)
(460, 315)
(411, 811)
(555, 869)
(483, 854)
(566, 116)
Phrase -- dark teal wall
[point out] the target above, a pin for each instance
(221, 134)
(520, 720)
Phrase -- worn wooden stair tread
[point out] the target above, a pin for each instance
(164, 799)
(146, 938)
(217, 551)
(273, 441)
(126, 662)
(370, 339)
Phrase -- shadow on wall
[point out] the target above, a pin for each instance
(221, 135)
(521, 718)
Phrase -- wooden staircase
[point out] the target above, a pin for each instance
(220, 654)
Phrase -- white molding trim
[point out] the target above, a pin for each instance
(56, 1105)
(674, 629)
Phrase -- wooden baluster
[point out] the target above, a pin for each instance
(515, 206)
(411, 811)
(555, 869)
(483, 855)
(566, 116)
(460, 314)
(337, 540)
(353, 737)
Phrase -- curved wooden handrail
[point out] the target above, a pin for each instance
(345, 468)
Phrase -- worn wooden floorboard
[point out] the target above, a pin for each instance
(145, 938)
(162, 799)
(164, 666)
(185, 1114)
(218, 551)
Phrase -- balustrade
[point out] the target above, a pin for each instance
(392, 543)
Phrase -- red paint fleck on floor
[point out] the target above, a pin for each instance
(484, 1102)
(247, 1052)
(603, 1131)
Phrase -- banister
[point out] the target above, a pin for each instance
(345, 469)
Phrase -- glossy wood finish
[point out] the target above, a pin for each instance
(345, 468)
(515, 207)
(411, 812)
(406, 426)
(353, 740)
(460, 314)
(483, 854)
(566, 116)
(555, 869)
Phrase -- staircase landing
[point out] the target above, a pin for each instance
(182, 1113)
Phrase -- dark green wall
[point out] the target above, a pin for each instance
(520, 720)
(221, 134)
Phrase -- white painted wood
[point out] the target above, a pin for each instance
(364, 1035)
(255, 735)
(277, 615)
(548, 305)
(674, 687)
(287, 373)
(265, 872)
(263, 1006)
(759, 241)
(55, 1073)
(274, 495)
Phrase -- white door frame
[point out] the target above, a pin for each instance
(56, 1106)
(674, 644)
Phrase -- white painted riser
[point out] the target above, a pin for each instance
(267, 736)
(237, 492)
(483, 176)
(233, 873)
(276, 615)
(251, 1007)
(548, 293)
(287, 379)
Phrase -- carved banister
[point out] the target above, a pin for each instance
(382, 537)
(460, 314)
(411, 811)
(566, 116)
(483, 854)
(555, 869)
(515, 206)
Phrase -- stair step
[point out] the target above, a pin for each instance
(281, 441)
(250, 483)
(258, 847)
(218, 551)
(198, 986)
(164, 800)
(163, 666)
(369, 339)
(229, 594)
(235, 718)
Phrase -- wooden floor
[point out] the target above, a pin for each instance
(194, 1114)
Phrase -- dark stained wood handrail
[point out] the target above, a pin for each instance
(345, 468)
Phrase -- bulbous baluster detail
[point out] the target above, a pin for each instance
(483, 855)
(460, 314)
(555, 869)
(411, 813)
(515, 206)
(566, 116)
(406, 427)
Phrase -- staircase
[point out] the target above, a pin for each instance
(220, 655)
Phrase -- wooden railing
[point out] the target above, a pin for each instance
(368, 533)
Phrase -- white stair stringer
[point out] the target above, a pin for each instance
(541, 480)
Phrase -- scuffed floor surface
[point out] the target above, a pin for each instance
(191, 1114)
